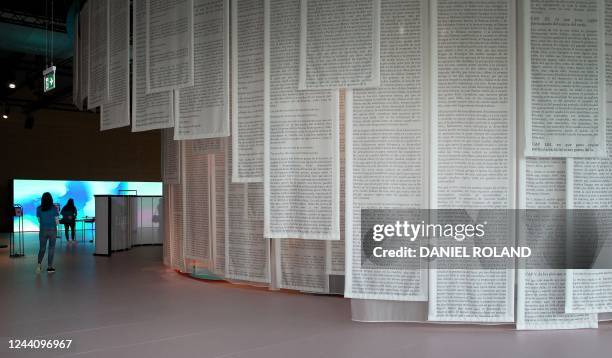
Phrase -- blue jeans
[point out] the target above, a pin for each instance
(43, 236)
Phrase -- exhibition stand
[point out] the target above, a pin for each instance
(16, 242)
(125, 221)
(92, 227)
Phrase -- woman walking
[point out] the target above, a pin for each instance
(69, 214)
(48, 217)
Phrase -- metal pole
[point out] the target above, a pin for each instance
(21, 234)
(17, 250)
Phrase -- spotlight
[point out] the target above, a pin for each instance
(5, 116)
(12, 85)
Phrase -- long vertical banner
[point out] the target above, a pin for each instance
(84, 51)
(541, 292)
(302, 265)
(167, 225)
(115, 111)
(247, 90)
(589, 187)
(170, 44)
(387, 149)
(473, 145)
(336, 248)
(196, 203)
(339, 44)
(154, 110)
(590, 290)
(202, 110)
(97, 84)
(301, 155)
(218, 208)
(177, 259)
(171, 158)
(247, 253)
(564, 71)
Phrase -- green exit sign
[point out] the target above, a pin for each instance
(49, 78)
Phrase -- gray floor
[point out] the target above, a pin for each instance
(129, 305)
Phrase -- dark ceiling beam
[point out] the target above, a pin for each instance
(16, 61)
(17, 17)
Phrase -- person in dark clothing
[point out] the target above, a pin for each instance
(69, 214)
(48, 217)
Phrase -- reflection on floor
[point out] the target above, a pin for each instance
(129, 305)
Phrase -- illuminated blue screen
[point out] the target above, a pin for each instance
(27, 193)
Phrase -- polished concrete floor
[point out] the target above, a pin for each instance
(129, 305)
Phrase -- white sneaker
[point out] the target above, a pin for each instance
(38, 269)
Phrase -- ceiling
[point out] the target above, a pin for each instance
(25, 51)
(36, 13)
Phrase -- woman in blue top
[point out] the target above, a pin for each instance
(48, 217)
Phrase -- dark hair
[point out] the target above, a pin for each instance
(46, 203)
(70, 204)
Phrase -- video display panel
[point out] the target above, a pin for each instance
(27, 193)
